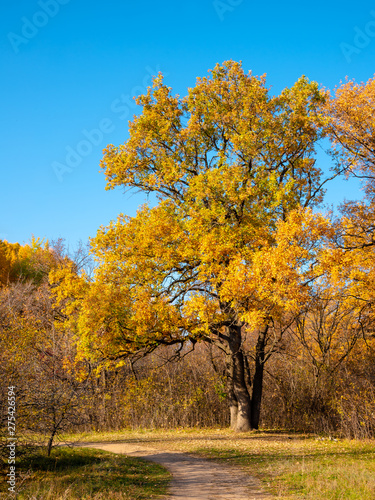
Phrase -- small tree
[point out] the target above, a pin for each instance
(37, 354)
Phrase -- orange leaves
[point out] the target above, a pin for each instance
(351, 124)
(5, 263)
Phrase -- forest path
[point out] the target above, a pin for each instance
(194, 478)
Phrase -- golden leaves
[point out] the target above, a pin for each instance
(234, 169)
(351, 124)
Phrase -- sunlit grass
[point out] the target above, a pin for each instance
(291, 466)
(82, 473)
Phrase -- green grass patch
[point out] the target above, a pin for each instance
(84, 473)
(304, 468)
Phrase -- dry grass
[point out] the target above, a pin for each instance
(72, 474)
(291, 466)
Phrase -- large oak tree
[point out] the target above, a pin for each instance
(229, 249)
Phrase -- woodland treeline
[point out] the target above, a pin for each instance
(235, 299)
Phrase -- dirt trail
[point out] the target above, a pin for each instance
(194, 478)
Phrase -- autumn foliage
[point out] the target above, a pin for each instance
(236, 255)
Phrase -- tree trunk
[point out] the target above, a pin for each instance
(50, 442)
(233, 403)
(240, 412)
(242, 394)
(256, 397)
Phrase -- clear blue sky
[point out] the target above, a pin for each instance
(70, 66)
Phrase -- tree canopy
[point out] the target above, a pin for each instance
(234, 250)
(231, 244)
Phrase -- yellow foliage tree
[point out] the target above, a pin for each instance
(351, 125)
(231, 245)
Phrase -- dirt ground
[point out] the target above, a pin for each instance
(194, 478)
